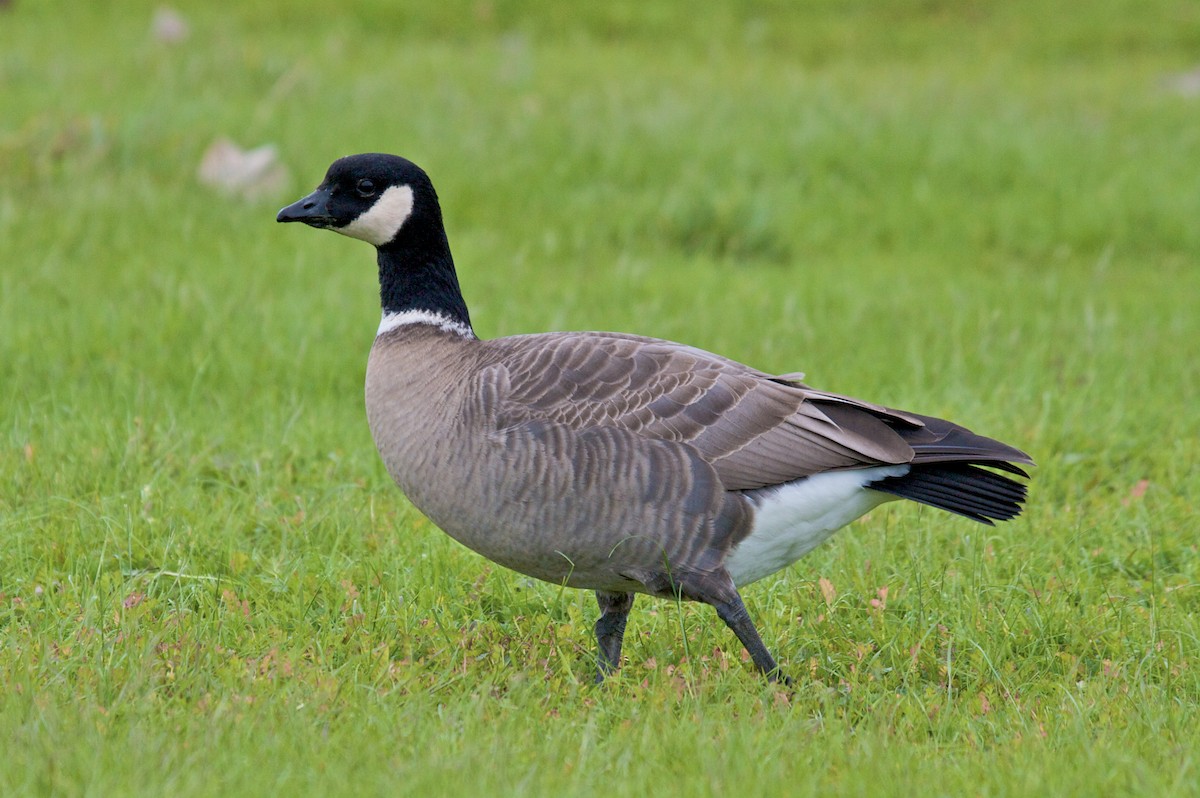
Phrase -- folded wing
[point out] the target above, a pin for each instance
(756, 430)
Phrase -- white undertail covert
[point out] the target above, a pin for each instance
(793, 519)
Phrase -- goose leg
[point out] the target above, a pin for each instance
(716, 588)
(733, 613)
(610, 630)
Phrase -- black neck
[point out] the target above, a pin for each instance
(419, 275)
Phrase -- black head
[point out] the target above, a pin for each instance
(372, 197)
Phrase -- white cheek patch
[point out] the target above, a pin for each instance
(379, 224)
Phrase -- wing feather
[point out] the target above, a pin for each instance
(755, 429)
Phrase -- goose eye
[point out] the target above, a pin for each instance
(365, 188)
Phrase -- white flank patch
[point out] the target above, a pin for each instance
(391, 321)
(379, 224)
(794, 519)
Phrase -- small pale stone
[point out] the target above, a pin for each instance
(252, 174)
(168, 26)
(1185, 84)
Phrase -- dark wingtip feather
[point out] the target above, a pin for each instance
(941, 441)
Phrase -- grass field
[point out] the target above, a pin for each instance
(982, 210)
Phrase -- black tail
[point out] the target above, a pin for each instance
(962, 488)
(946, 472)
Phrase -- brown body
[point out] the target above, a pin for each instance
(604, 461)
(598, 507)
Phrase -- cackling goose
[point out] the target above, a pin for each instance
(614, 462)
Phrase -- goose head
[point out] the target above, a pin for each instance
(381, 199)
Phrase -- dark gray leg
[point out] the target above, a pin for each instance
(733, 613)
(610, 630)
(716, 587)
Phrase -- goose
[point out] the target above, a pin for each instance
(619, 463)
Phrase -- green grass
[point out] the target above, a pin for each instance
(985, 210)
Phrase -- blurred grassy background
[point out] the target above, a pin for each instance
(983, 210)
